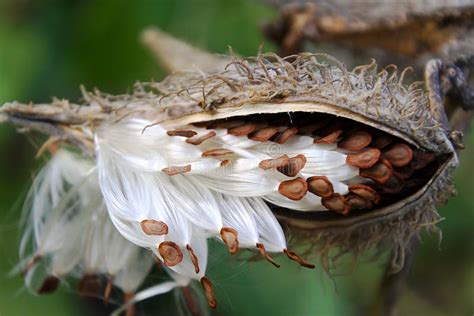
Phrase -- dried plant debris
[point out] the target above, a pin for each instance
(347, 160)
(391, 30)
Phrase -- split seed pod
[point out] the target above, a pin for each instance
(250, 143)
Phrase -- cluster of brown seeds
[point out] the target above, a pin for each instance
(389, 165)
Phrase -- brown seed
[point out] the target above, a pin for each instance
(383, 140)
(399, 155)
(153, 227)
(293, 166)
(293, 256)
(242, 130)
(365, 159)
(320, 185)
(393, 185)
(380, 172)
(217, 152)
(174, 170)
(309, 129)
(263, 134)
(330, 138)
(127, 298)
(225, 162)
(194, 258)
(404, 172)
(356, 141)
(171, 253)
(182, 132)
(337, 203)
(191, 304)
(49, 285)
(293, 189)
(90, 286)
(265, 254)
(108, 289)
(365, 192)
(356, 202)
(422, 159)
(230, 238)
(207, 286)
(199, 139)
(274, 163)
(282, 137)
(225, 123)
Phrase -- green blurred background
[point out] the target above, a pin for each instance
(48, 48)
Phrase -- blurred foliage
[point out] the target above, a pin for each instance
(48, 48)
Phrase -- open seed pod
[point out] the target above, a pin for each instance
(344, 159)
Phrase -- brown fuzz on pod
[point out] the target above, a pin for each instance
(154, 227)
(364, 159)
(171, 253)
(108, 289)
(293, 256)
(274, 163)
(174, 170)
(217, 152)
(330, 138)
(320, 185)
(356, 141)
(357, 202)
(182, 132)
(380, 172)
(265, 254)
(294, 165)
(198, 140)
(230, 238)
(282, 137)
(365, 192)
(90, 286)
(207, 286)
(399, 155)
(36, 258)
(337, 203)
(49, 285)
(293, 189)
(194, 258)
(263, 134)
(242, 130)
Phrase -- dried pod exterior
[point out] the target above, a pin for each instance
(402, 30)
(227, 153)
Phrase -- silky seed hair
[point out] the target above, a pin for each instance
(348, 160)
